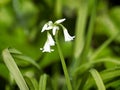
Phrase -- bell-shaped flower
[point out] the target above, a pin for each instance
(67, 36)
(50, 39)
(54, 26)
(46, 47)
(47, 26)
(50, 42)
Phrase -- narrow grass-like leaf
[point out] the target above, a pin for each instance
(81, 69)
(106, 75)
(43, 82)
(80, 27)
(29, 82)
(114, 83)
(89, 33)
(35, 83)
(84, 79)
(28, 59)
(17, 54)
(58, 8)
(14, 51)
(96, 76)
(103, 46)
(14, 70)
(109, 74)
(32, 82)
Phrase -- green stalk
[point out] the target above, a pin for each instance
(80, 28)
(89, 33)
(58, 8)
(69, 86)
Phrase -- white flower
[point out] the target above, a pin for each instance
(47, 26)
(60, 21)
(55, 28)
(67, 36)
(50, 40)
(48, 43)
(46, 47)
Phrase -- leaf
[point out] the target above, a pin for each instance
(19, 55)
(43, 82)
(103, 46)
(28, 59)
(96, 76)
(32, 82)
(14, 70)
(106, 75)
(80, 27)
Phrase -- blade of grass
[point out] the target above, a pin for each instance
(14, 70)
(96, 76)
(80, 27)
(84, 79)
(114, 83)
(58, 8)
(17, 54)
(81, 69)
(109, 74)
(28, 59)
(89, 33)
(29, 82)
(106, 75)
(43, 82)
(35, 83)
(103, 46)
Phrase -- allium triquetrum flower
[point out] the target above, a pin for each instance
(67, 36)
(54, 26)
(50, 42)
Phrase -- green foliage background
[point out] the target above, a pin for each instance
(21, 22)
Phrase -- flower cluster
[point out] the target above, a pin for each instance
(54, 27)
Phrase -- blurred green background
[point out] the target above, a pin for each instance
(21, 22)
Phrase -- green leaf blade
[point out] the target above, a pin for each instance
(96, 76)
(14, 70)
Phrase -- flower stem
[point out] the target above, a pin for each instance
(69, 86)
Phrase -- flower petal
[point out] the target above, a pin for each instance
(50, 39)
(60, 21)
(54, 29)
(46, 47)
(67, 36)
(44, 28)
(49, 25)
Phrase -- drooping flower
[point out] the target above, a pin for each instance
(50, 39)
(54, 26)
(47, 26)
(49, 42)
(67, 36)
(46, 47)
